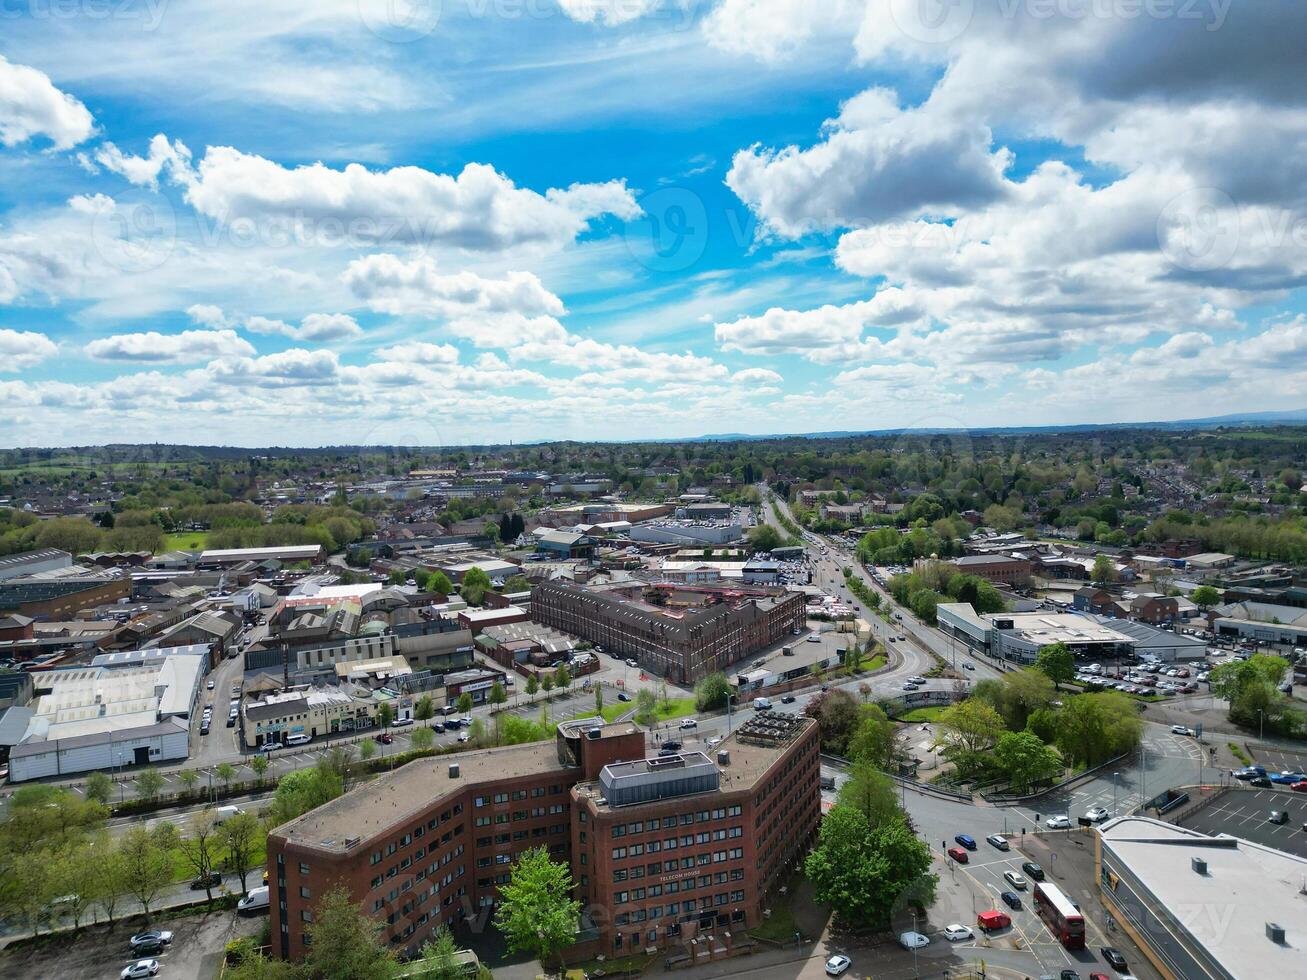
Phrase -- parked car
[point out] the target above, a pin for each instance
(141, 968)
(967, 841)
(958, 854)
(401, 723)
(1032, 870)
(957, 933)
(788, 699)
(623, 696)
(837, 964)
(1261, 782)
(385, 738)
(1287, 778)
(1114, 959)
(688, 723)
(152, 937)
(1011, 899)
(999, 841)
(632, 662)
(210, 685)
(464, 736)
(1278, 817)
(212, 880)
(1015, 880)
(1299, 787)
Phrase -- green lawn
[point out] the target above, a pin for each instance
(183, 871)
(188, 541)
(675, 708)
(928, 714)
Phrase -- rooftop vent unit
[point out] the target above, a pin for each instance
(453, 770)
(593, 733)
(1199, 865)
(723, 757)
(1275, 933)
(352, 841)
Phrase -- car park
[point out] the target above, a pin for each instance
(1011, 899)
(956, 933)
(837, 964)
(999, 841)
(1015, 880)
(1032, 870)
(141, 968)
(967, 841)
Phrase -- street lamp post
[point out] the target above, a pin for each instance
(1261, 724)
(915, 973)
(1114, 776)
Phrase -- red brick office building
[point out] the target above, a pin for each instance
(432, 842)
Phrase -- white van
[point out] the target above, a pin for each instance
(299, 739)
(253, 903)
(225, 813)
(761, 704)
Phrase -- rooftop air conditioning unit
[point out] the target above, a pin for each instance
(453, 770)
(723, 757)
(1199, 865)
(1275, 933)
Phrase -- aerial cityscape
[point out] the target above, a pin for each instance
(579, 489)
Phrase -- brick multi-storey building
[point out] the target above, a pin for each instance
(682, 633)
(432, 842)
(665, 847)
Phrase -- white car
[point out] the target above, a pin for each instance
(837, 964)
(1058, 823)
(1097, 814)
(956, 933)
(141, 968)
(1179, 730)
(1015, 880)
(913, 940)
(464, 736)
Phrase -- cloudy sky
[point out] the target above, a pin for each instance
(259, 222)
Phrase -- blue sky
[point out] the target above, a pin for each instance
(482, 220)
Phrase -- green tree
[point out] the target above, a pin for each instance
(547, 683)
(200, 848)
(99, 787)
(345, 943)
(425, 708)
(1058, 662)
(517, 583)
(439, 958)
(536, 911)
(872, 740)
(439, 583)
(599, 699)
(259, 766)
(422, 739)
(385, 715)
(148, 783)
(464, 703)
(225, 772)
(532, 685)
(239, 839)
(497, 694)
(1092, 728)
(968, 731)
(367, 749)
(711, 693)
(562, 678)
(646, 707)
(302, 790)
(1205, 597)
(871, 793)
(107, 880)
(475, 585)
(838, 714)
(866, 872)
(764, 537)
(147, 861)
(1104, 571)
(1025, 760)
(188, 777)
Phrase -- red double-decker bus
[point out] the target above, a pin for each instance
(1061, 916)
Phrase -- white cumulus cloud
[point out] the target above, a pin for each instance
(31, 106)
